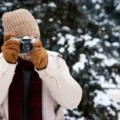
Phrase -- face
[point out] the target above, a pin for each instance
(28, 57)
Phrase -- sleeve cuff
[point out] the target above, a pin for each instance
(7, 67)
(45, 72)
(42, 73)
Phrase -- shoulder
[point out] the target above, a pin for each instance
(1, 55)
(54, 54)
(54, 58)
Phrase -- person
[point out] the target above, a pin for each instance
(37, 85)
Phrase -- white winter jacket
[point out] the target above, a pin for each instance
(60, 90)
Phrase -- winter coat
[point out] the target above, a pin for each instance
(59, 89)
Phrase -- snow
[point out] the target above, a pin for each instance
(97, 1)
(115, 53)
(113, 74)
(106, 36)
(71, 40)
(79, 30)
(103, 99)
(100, 49)
(110, 62)
(106, 61)
(66, 28)
(105, 21)
(111, 111)
(3, 8)
(114, 94)
(61, 40)
(102, 78)
(79, 39)
(93, 72)
(62, 50)
(102, 64)
(97, 6)
(92, 43)
(68, 118)
(53, 38)
(101, 15)
(1, 30)
(94, 1)
(59, 21)
(52, 4)
(109, 85)
(99, 55)
(8, 4)
(39, 21)
(84, 7)
(107, 44)
(65, 111)
(100, 1)
(80, 65)
(76, 113)
(50, 20)
(82, 118)
(118, 7)
(71, 49)
(59, 34)
(86, 37)
(115, 44)
(103, 28)
(116, 34)
(117, 78)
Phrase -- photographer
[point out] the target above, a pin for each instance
(35, 84)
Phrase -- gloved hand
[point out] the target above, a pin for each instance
(39, 56)
(10, 49)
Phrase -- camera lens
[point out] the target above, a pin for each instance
(28, 47)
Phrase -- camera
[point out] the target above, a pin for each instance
(26, 44)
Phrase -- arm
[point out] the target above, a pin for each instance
(8, 61)
(6, 76)
(63, 88)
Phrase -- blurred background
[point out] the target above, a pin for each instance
(87, 34)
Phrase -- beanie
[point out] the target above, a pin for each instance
(21, 22)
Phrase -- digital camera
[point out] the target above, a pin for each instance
(26, 44)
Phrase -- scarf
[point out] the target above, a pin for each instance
(16, 93)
